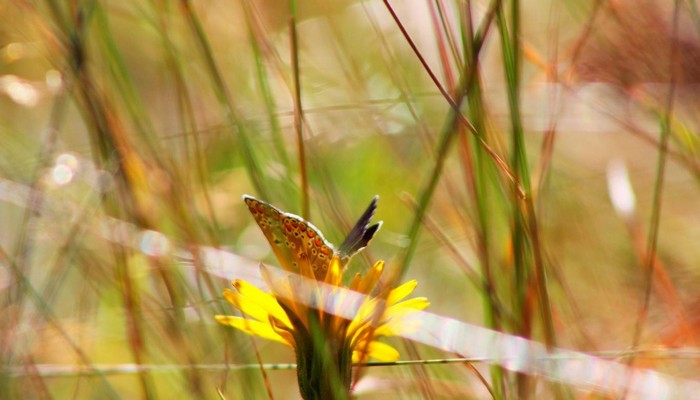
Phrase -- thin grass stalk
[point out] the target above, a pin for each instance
(587, 31)
(111, 137)
(401, 83)
(438, 233)
(184, 215)
(49, 316)
(298, 110)
(256, 32)
(101, 125)
(454, 117)
(35, 380)
(448, 133)
(455, 104)
(238, 129)
(177, 327)
(123, 83)
(187, 120)
(547, 146)
(663, 285)
(426, 193)
(24, 247)
(655, 217)
(444, 33)
(125, 88)
(448, 31)
(439, 28)
(529, 269)
(181, 203)
(478, 179)
(104, 135)
(449, 128)
(134, 318)
(509, 48)
(420, 372)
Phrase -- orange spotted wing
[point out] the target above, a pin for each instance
(295, 241)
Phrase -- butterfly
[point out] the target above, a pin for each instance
(294, 240)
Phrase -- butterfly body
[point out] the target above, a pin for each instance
(295, 241)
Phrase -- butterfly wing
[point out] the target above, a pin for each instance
(308, 244)
(293, 240)
(360, 234)
(269, 219)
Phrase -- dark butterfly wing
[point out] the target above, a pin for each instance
(361, 233)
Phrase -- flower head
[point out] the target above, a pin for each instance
(329, 325)
(311, 317)
(270, 312)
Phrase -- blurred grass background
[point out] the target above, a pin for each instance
(161, 114)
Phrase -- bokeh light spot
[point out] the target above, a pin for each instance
(19, 91)
(65, 169)
(53, 79)
(154, 244)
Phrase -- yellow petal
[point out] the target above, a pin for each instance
(365, 314)
(369, 309)
(370, 280)
(249, 307)
(264, 300)
(376, 350)
(407, 307)
(391, 316)
(355, 282)
(334, 275)
(383, 352)
(397, 327)
(282, 330)
(251, 327)
(398, 311)
(401, 292)
(394, 322)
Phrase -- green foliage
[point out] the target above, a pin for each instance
(477, 124)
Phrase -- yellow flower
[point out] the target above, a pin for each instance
(309, 316)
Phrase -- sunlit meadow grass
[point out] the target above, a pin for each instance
(536, 164)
